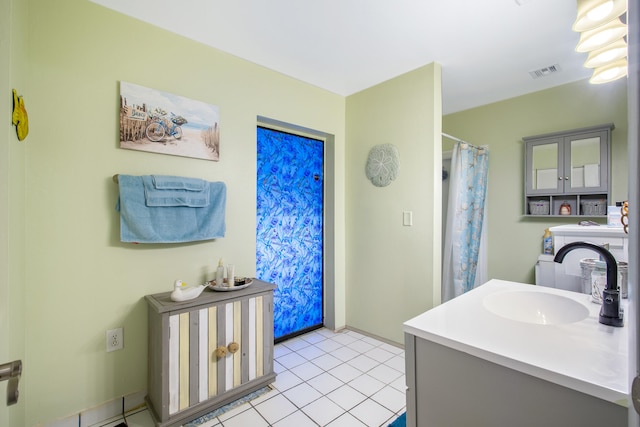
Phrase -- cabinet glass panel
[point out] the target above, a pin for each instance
(585, 163)
(545, 167)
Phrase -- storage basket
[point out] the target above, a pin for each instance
(594, 207)
(539, 207)
(587, 266)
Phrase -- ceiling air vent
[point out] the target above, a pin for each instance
(543, 72)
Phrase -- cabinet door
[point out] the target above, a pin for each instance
(543, 164)
(586, 163)
(240, 329)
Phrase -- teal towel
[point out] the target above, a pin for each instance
(140, 223)
(169, 182)
(175, 196)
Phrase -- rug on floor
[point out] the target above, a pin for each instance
(401, 421)
(203, 419)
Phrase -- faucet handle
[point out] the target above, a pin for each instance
(611, 314)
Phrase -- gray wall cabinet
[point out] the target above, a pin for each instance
(568, 173)
(209, 351)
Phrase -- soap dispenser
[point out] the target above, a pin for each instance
(220, 274)
(547, 242)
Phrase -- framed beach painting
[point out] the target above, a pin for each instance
(161, 122)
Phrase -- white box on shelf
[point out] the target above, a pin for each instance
(614, 216)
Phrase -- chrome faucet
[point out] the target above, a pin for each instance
(611, 313)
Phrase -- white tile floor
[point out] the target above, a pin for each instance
(324, 379)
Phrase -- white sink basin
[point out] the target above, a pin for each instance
(535, 307)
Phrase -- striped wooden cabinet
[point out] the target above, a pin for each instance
(209, 351)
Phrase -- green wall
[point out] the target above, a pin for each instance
(516, 241)
(393, 271)
(81, 280)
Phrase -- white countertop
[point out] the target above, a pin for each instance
(586, 356)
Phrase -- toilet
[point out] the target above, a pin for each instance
(568, 275)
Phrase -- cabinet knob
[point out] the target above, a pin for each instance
(233, 347)
(220, 352)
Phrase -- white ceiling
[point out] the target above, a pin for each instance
(486, 47)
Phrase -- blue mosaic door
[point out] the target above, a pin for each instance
(289, 210)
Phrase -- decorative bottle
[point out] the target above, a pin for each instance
(230, 275)
(547, 242)
(220, 273)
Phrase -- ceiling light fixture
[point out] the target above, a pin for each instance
(593, 13)
(610, 53)
(610, 72)
(602, 35)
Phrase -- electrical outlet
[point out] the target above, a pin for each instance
(115, 339)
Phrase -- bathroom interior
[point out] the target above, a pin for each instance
(68, 278)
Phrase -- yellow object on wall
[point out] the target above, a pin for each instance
(19, 117)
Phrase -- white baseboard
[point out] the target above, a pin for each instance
(103, 412)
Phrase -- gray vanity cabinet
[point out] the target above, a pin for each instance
(567, 173)
(209, 351)
(452, 388)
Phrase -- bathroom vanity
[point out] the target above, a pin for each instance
(209, 351)
(511, 354)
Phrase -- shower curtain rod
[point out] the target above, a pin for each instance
(446, 135)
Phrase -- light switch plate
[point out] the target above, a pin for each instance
(407, 218)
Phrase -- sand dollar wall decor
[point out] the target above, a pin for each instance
(383, 164)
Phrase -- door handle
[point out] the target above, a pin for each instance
(11, 372)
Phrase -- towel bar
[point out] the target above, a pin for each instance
(115, 178)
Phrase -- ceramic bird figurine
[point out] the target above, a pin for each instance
(182, 293)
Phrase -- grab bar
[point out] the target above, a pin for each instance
(11, 372)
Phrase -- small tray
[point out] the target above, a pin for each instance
(213, 286)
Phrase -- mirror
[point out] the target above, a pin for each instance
(585, 162)
(545, 166)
